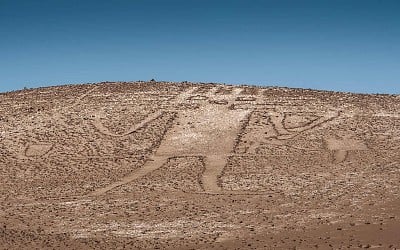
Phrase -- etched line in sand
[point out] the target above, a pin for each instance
(213, 91)
(209, 132)
(34, 150)
(198, 133)
(271, 126)
(233, 192)
(100, 127)
(316, 123)
(340, 156)
(81, 97)
(285, 134)
(296, 120)
(151, 164)
(341, 147)
(277, 120)
(39, 149)
(223, 237)
(214, 166)
(186, 94)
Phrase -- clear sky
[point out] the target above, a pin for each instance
(345, 45)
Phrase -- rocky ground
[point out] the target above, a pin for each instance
(161, 165)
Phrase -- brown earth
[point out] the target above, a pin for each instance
(146, 165)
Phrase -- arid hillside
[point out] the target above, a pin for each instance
(158, 165)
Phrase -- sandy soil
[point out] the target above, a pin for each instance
(158, 165)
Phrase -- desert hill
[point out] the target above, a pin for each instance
(163, 165)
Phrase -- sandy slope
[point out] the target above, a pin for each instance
(198, 166)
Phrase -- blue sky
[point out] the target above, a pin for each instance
(344, 45)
